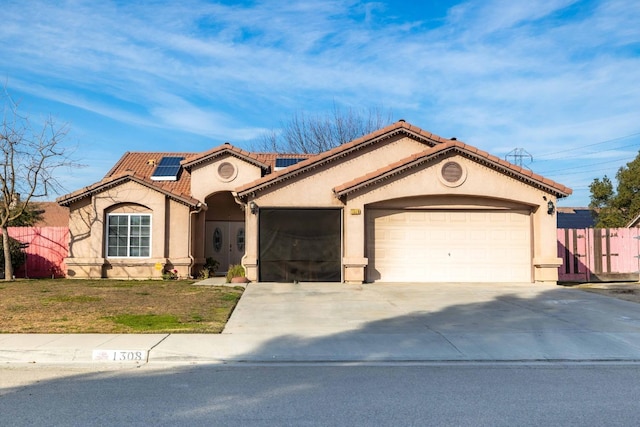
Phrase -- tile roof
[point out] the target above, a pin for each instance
(52, 214)
(266, 161)
(166, 187)
(399, 128)
(575, 217)
(223, 149)
(143, 164)
(458, 147)
(139, 166)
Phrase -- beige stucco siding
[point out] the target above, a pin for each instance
(483, 188)
(206, 180)
(315, 188)
(169, 233)
(418, 187)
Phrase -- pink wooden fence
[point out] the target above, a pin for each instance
(47, 248)
(595, 254)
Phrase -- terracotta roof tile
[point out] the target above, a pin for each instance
(293, 170)
(225, 148)
(52, 214)
(456, 146)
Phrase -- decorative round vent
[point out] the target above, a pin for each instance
(452, 172)
(226, 171)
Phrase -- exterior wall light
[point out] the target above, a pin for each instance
(253, 208)
(550, 207)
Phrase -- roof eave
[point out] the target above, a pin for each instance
(346, 189)
(324, 158)
(100, 187)
(189, 164)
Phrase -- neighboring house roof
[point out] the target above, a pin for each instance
(575, 218)
(399, 128)
(463, 149)
(635, 222)
(51, 214)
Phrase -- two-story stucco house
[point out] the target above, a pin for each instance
(397, 205)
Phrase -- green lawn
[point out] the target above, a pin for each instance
(114, 306)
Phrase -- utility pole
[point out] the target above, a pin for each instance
(520, 157)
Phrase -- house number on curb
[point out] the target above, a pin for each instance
(120, 355)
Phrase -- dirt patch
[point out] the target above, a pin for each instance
(625, 291)
(98, 306)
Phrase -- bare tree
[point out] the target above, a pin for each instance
(30, 154)
(312, 134)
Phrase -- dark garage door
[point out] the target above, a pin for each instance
(300, 244)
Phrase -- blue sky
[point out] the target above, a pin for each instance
(557, 78)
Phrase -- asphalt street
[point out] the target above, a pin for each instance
(460, 394)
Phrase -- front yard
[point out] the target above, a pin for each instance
(114, 306)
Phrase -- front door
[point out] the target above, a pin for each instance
(224, 242)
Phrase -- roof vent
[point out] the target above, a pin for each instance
(452, 172)
(453, 138)
(151, 162)
(402, 120)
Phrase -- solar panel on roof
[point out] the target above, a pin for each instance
(167, 169)
(282, 162)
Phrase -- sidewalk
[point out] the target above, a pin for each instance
(373, 323)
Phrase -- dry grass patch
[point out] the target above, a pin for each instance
(110, 306)
(624, 291)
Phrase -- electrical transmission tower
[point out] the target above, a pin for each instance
(520, 157)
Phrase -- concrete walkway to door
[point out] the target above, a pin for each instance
(429, 322)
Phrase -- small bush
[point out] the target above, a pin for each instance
(209, 268)
(235, 270)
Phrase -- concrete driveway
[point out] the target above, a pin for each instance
(324, 322)
(444, 322)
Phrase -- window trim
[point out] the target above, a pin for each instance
(128, 215)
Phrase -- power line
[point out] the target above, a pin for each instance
(519, 156)
(581, 147)
(590, 165)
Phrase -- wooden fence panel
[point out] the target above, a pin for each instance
(48, 247)
(607, 254)
(572, 248)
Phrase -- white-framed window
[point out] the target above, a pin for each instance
(129, 235)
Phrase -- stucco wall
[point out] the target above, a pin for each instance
(482, 187)
(206, 180)
(315, 188)
(169, 223)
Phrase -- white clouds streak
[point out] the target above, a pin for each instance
(497, 73)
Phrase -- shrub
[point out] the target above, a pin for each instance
(209, 268)
(235, 270)
(170, 274)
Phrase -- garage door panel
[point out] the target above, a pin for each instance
(433, 246)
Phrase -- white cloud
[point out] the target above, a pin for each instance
(498, 74)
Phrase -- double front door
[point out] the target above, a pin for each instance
(224, 242)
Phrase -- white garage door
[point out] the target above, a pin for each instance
(448, 246)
